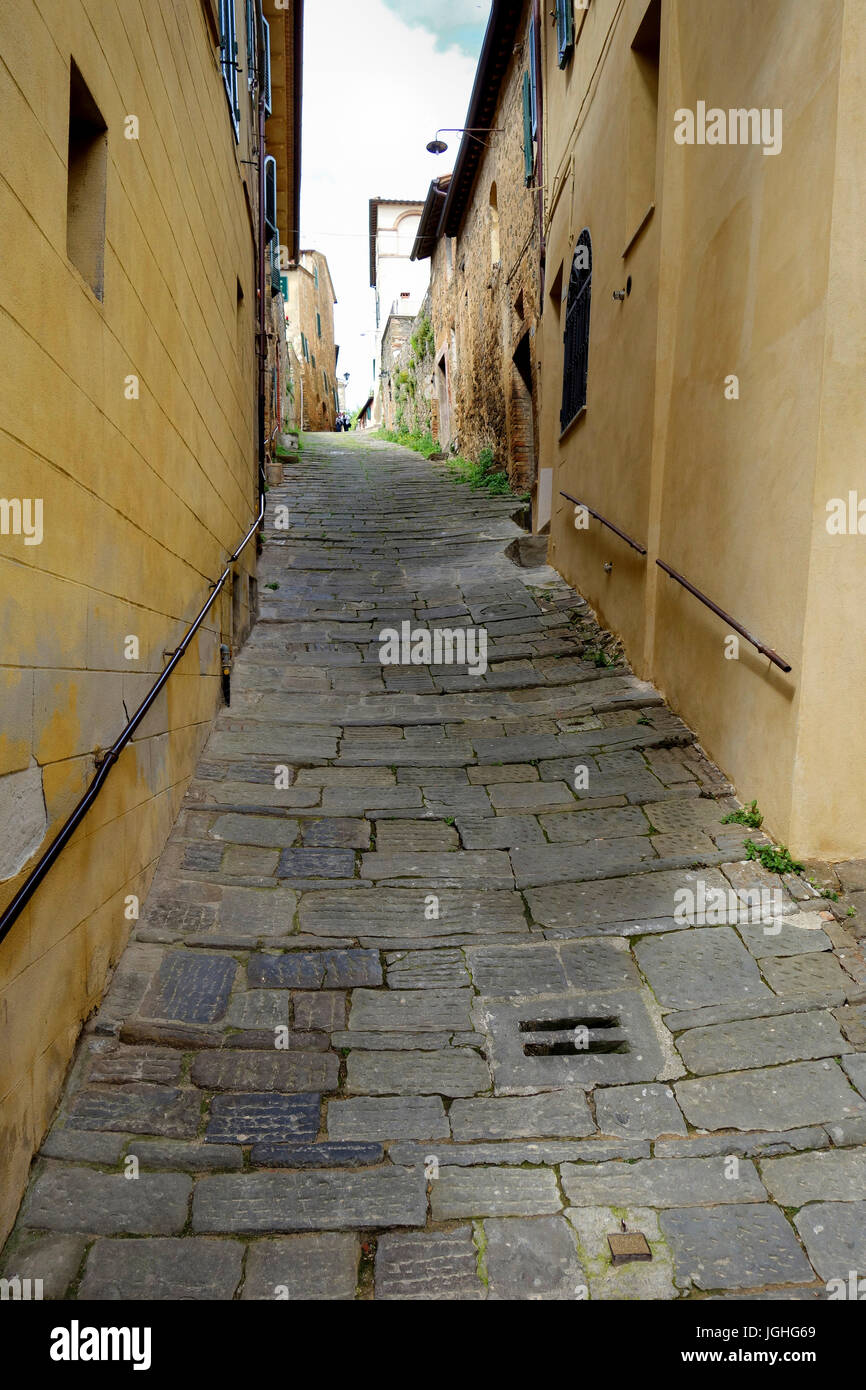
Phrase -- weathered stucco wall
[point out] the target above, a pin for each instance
(131, 417)
(738, 271)
(310, 307)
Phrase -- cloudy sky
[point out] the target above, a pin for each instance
(380, 76)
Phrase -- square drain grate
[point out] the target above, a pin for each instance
(573, 1037)
(547, 1042)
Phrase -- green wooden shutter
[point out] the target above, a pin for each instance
(564, 30)
(533, 76)
(528, 152)
(318, 323)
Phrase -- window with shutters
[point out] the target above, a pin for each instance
(229, 61)
(533, 77)
(266, 76)
(576, 355)
(564, 30)
(251, 36)
(313, 358)
(528, 146)
(315, 275)
(318, 324)
(270, 197)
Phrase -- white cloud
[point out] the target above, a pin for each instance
(375, 91)
(457, 23)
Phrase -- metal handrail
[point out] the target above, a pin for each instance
(766, 651)
(107, 761)
(635, 545)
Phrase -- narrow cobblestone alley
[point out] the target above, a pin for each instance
(413, 1009)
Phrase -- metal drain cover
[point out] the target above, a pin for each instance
(554, 1040)
(626, 1246)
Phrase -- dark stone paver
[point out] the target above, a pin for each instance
(190, 987)
(254, 1118)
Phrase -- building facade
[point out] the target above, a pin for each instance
(393, 372)
(132, 406)
(480, 227)
(397, 282)
(703, 356)
(310, 328)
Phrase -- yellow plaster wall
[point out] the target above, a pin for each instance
(750, 265)
(143, 499)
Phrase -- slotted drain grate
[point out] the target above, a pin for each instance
(589, 1033)
(550, 1041)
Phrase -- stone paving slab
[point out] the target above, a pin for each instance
(554, 1114)
(834, 1234)
(162, 1268)
(661, 1182)
(319, 1201)
(79, 1199)
(761, 1042)
(702, 966)
(388, 1117)
(829, 1176)
(431, 1265)
(638, 1112)
(493, 1192)
(260, 1071)
(458, 1072)
(321, 1266)
(653, 1279)
(533, 1258)
(785, 1097)
(735, 1247)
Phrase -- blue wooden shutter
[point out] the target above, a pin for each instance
(564, 30)
(528, 153)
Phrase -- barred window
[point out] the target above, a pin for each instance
(577, 331)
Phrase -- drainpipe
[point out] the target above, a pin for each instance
(539, 97)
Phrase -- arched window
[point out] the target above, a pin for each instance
(494, 226)
(577, 331)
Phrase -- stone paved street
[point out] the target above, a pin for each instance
(412, 1010)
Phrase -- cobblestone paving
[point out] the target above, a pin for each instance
(411, 1011)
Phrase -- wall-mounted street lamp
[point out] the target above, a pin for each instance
(437, 146)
